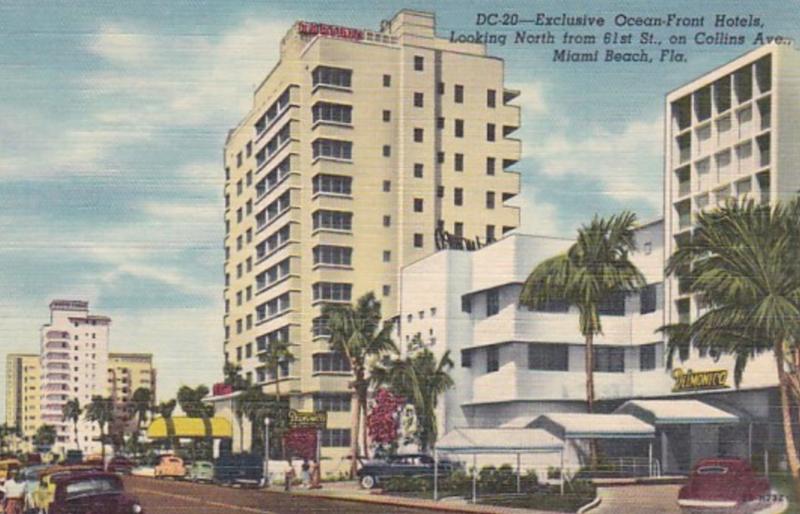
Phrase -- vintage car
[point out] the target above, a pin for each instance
(414, 464)
(120, 464)
(170, 466)
(84, 492)
(201, 471)
(239, 468)
(727, 484)
(73, 457)
(7, 466)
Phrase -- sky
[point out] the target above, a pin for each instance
(113, 116)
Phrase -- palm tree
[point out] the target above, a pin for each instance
(71, 411)
(45, 436)
(278, 352)
(254, 405)
(233, 376)
(594, 269)
(742, 258)
(142, 403)
(421, 379)
(357, 332)
(165, 409)
(101, 411)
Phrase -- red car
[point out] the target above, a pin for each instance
(723, 484)
(121, 465)
(91, 492)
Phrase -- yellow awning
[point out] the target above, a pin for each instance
(190, 427)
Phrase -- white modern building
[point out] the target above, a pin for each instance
(74, 363)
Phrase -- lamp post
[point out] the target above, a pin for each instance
(266, 452)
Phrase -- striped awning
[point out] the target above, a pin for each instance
(217, 428)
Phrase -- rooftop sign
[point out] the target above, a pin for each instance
(307, 28)
(689, 380)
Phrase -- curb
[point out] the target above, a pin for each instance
(375, 499)
(591, 505)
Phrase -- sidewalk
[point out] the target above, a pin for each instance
(350, 491)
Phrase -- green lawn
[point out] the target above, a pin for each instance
(783, 484)
(541, 501)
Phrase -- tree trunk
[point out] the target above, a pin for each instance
(788, 431)
(355, 423)
(365, 441)
(589, 353)
(103, 445)
(77, 440)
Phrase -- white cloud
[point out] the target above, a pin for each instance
(120, 46)
(531, 98)
(536, 216)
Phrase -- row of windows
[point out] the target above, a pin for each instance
(272, 274)
(334, 255)
(273, 242)
(332, 403)
(330, 362)
(332, 291)
(332, 148)
(271, 179)
(273, 307)
(333, 220)
(329, 76)
(273, 210)
(335, 437)
(336, 184)
(281, 334)
(273, 112)
(274, 145)
(337, 113)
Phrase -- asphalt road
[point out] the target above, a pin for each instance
(171, 497)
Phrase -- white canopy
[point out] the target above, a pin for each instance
(594, 426)
(499, 440)
(676, 412)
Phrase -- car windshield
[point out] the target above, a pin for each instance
(712, 470)
(90, 486)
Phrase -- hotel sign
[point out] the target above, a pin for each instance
(313, 420)
(307, 28)
(446, 241)
(688, 380)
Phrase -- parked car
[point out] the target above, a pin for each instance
(87, 492)
(170, 466)
(32, 459)
(73, 457)
(6, 467)
(239, 468)
(201, 471)
(414, 464)
(722, 483)
(120, 464)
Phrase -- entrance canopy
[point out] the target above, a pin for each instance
(220, 428)
(594, 426)
(677, 412)
(499, 440)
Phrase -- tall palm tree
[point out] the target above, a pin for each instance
(165, 409)
(254, 405)
(357, 333)
(278, 352)
(593, 269)
(743, 259)
(71, 411)
(233, 376)
(142, 404)
(421, 379)
(101, 411)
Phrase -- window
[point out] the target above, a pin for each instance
(613, 305)
(330, 362)
(458, 93)
(249, 178)
(387, 115)
(418, 135)
(333, 255)
(440, 88)
(275, 110)
(419, 63)
(332, 291)
(387, 151)
(273, 210)
(271, 180)
(417, 204)
(492, 359)
(458, 229)
(238, 326)
(458, 162)
(492, 302)
(387, 80)
(459, 128)
(466, 359)
(335, 184)
(387, 221)
(335, 437)
(609, 359)
(332, 402)
(418, 170)
(248, 207)
(332, 148)
(239, 160)
(418, 240)
(647, 357)
(387, 256)
(248, 149)
(458, 196)
(490, 165)
(647, 299)
(238, 298)
(419, 100)
(334, 220)
(248, 350)
(550, 357)
(490, 199)
(440, 157)
(466, 304)
(490, 132)
(440, 191)
(239, 215)
(326, 75)
(491, 98)
(489, 233)
(239, 188)
(387, 290)
(440, 122)
(336, 113)
(272, 274)
(387, 186)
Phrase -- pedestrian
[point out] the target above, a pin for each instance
(14, 494)
(289, 476)
(305, 474)
(316, 479)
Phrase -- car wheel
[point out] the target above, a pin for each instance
(368, 481)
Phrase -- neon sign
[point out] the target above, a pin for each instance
(689, 380)
(323, 29)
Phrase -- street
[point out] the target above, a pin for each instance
(173, 497)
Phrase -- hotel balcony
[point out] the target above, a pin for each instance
(56, 345)
(56, 334)
(56, 355)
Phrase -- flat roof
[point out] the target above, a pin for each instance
(677, 412)
(499, 440)
(594, 426)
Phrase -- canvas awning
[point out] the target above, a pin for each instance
(499, 440)
(677, 412)
(594, 426)
(217, 428)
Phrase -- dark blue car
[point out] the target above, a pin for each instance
(411, 464)
(239, 468)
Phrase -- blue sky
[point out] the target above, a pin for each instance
(113, 115)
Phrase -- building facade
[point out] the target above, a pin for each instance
(360, 147)
(128, 372)
(23, 379)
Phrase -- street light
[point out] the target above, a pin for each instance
(266, 452)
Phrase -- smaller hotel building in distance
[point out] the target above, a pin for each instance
(23, 379)
(128, 372)
(361, 145)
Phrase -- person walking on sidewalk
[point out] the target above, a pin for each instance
(305, 474)
(289, 476)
